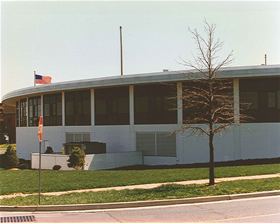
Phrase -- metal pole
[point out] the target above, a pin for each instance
(121, 51)
(34, 78)
(40, 150)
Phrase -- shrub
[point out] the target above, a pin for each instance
(10, 158)
(24, 162)
(49, 150)
(2, 158)
(76, 158)
(23, 166)
(56, 167)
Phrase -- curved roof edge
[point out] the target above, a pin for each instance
(165, 76)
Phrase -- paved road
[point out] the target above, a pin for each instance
(265, 209)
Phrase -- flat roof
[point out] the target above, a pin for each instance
(134, 79)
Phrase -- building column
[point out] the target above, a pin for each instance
(131, 105)
(180, 150)
(132, 133)
(179, 104)
(27, 112)
(63, 108)
(236, 100)
(42, 107)
(237, 142)
(92, 107)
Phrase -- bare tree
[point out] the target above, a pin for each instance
(208, 98)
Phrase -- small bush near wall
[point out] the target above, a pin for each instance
(49, 150)
(23, 166)
(10, 158)
(77, 158)
(56, 167)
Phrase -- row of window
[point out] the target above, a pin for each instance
(262, 97)
(149, 143)
(153, 104)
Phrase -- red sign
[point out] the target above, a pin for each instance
(40, 129)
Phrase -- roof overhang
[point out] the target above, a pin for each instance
(146, 78)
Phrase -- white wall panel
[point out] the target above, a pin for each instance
(115, 137)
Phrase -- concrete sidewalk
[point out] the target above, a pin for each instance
(146, 186)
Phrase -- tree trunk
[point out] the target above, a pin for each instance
(211, 163)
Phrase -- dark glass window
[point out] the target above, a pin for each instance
(196, 109)
(262, 96)
(155, 104)
(52, 109)
(17, 114)
(112, 106)
(23, 113)
(34, 111)
(77, 108)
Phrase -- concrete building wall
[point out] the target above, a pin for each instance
(261, 141)
(253, 142)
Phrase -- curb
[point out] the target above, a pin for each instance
(134, 204)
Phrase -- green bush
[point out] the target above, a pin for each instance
(10, 158)
(24, 163)
(23, 166)
(76, 158)
(56, 167)
(49, 150)
(2, 158)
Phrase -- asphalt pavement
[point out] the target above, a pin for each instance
(257, 210)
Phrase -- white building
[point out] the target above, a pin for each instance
(131, 113)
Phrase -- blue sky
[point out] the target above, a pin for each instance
(70, 40)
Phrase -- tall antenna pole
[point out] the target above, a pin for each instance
(34, 78)
(121, 51)
(265, 59)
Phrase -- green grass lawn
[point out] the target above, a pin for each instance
(26, 181)
(171, 191)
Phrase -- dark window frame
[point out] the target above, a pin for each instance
(79, 113)
(264, 113)
(160, 105)
(112, 106)
(200, 109)
(23, 112)
(34, 110)
(52, 107)
(17, 113)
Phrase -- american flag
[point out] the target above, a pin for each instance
(39, 79)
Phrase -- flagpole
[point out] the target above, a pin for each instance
(34, 78)
(121, 51)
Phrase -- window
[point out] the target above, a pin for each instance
(250, 100)
(196, 109)
(34, 111)
(156, 144)
(52, 110)
(77, 108)
(77, 137)
(17, 114)
(153, 104)
(23, 113)
(262, 96)
(112, 106)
